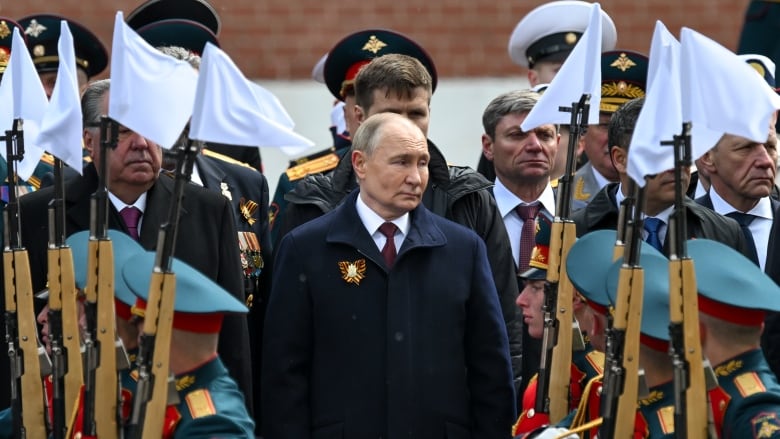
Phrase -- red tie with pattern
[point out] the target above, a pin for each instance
(389, 251)
(131, 215)
(528, 215)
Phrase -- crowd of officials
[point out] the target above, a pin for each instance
(383, 292)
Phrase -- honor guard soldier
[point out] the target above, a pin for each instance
(587, 361)
(339, 70)
(543, 39)
(623, 77)
(734, 296)
(210, 403)
(181, 34)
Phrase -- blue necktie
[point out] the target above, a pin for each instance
(653, 226)
(744, 220)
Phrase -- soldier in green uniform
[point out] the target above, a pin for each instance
(338, 71)
(211, 405)
(587, 359)
(734, 296)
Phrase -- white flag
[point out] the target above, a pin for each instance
(721, 93)
(661, 116)
(580, 74)
(227, 109)
(28, 102)
(151, 93)
(61, 126)
(271, 107)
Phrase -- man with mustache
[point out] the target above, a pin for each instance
(602, 211)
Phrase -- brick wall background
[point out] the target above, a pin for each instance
(283, 39)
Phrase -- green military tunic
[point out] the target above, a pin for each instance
(754, 408)
(211, 405)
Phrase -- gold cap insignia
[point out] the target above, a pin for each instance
(570, 38)
(4, 30)
(374, 45)
(39, 50)
(353, 272)
(35, 29)
(250, 299)
(623, 63)
(247, 209)
(5, 56)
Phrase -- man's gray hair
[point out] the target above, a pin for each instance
(92, 100)
(513, 102)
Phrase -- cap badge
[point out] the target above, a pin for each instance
(4, 30)
(39, 50)
(623, 63)
(247, 209)
(570, 38)
(5, 55)
(35, 29)
(353, 272)
(374, 45)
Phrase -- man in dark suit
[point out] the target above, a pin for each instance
(408, 341)
(602, 211)
(403, 84)
(206, 237)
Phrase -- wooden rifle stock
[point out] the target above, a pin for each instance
(691, 405)
(101, 377)
(26, 362)
(621, 372)
(552, 392)
(152, 395)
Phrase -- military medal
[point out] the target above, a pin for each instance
(251, 255)
(353, 272)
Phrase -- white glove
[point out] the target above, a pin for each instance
(555, 432)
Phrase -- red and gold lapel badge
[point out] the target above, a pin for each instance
(248, 209)
(353, 272)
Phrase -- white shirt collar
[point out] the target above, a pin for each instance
(763, 209)
(507, 201)
(600, 179)
(118, 204)
(371, 220)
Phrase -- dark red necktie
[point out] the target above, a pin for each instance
(389, 251)
(527, 234)
(131, 215)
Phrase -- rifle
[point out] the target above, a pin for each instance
(152, 391)
(67, 371)
(690, 385)
(29, 362)
(552, 392)
(620, 390)
(103, 356)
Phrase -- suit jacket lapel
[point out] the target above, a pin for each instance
(210, 174)
(158, 201)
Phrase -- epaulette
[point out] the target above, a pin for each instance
(322, 164)
(225, 158)
(200, 403)
(748, 384)
(310, 157)
(34, 182)
(596, 360)
(47, 158)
